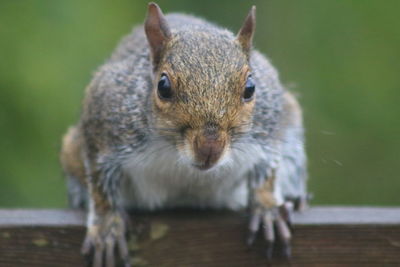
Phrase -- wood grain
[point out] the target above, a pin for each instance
(322, 236)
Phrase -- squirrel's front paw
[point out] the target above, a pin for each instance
(268, 218)
(266, 211)
(106, 233)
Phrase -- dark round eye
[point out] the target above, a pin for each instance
(164, 87)
(249, 89)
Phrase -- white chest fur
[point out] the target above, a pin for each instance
(159, 177)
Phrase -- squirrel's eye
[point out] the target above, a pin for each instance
(164, 87)
(249, 89)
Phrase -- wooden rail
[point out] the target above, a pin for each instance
(340, 236)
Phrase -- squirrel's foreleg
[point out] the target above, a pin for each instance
(106, 227)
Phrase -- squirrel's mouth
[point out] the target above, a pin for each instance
(204, 166)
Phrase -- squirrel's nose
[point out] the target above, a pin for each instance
(208, 150)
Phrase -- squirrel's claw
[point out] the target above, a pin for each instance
(269, 250)
(102, 240)
(276, 218)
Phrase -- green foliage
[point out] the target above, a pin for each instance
(343, 57)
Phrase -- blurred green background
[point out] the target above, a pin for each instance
(341, 57)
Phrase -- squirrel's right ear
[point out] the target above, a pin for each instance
(245, 35)
(157, 31)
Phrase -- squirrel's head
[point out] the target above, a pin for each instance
(203, 91)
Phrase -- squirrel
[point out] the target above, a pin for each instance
(185, 114)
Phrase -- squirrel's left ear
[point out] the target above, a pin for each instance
(157, 31)
(245, 35)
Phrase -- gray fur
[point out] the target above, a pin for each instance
(133, 149)
(118, 124)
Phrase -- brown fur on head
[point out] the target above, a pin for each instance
(207, 70)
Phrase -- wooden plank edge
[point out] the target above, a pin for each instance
(318, 215)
